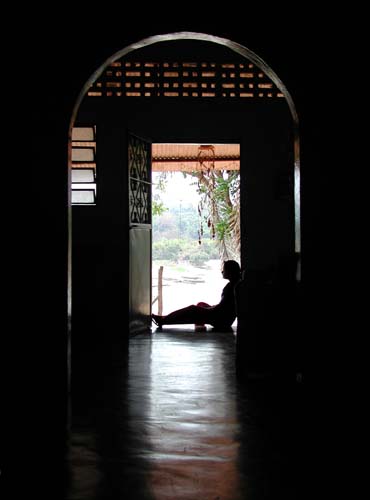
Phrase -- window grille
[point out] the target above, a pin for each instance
(139, 159)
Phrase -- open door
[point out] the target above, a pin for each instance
(140, 233)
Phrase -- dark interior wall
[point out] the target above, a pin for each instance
(100, 247)
(100, 258)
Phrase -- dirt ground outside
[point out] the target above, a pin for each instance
(185, 284)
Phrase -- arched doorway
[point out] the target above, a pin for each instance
(262, 152)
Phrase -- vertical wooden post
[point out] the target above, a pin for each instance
(160, 290)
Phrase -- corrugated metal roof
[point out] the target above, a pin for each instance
(190, 157)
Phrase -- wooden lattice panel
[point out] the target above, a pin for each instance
(139, 156)
(184, 79)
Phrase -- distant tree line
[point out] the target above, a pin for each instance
(176, 223)
(185, 250)
(175, 236)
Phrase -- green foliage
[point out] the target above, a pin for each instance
(158, 208)
(169, 225)
(185, 250)
(219, 208)
(167, 249)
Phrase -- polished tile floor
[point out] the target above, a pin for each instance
(176, 423)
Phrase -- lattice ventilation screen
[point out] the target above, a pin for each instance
(139, 157)
(184, 79)
(83, 166)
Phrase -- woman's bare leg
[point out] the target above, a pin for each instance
(190, 314)
(201, 327)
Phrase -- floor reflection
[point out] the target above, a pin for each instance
(174, 423)
(193, 418)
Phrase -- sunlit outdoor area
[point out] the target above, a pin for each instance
(189, 241)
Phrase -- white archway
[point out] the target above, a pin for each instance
(233, 46)
(239, 49)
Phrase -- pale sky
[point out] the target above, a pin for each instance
(178, 188)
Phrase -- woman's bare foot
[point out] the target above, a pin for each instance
(200, 328)
(157, 320)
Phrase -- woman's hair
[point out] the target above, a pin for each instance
(232, 267)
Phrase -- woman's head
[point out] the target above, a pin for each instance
(231, 270)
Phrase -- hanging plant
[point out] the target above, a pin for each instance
(219, 207)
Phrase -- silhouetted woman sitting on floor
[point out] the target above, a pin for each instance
(220, 316)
